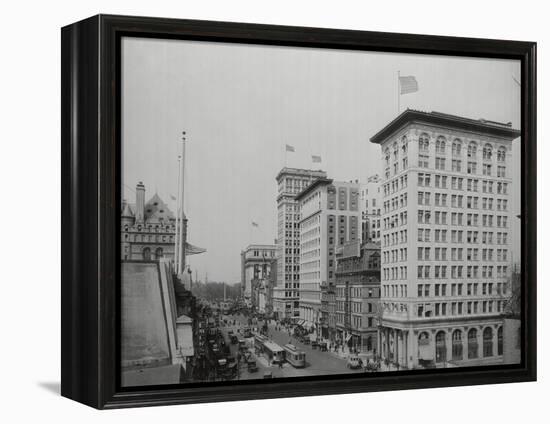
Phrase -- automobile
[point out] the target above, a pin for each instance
(353, 362)
(314, 344)
(323, 347)
(252, 367)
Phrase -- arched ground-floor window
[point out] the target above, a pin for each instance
(440, 348)
(159, 253)
(500, 341)
(457, 345)
(146, 254)
(488, 342)
(472, 343)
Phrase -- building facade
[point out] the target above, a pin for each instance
(329, 218)
(371, 209)
(358, 296)
(286, 297)
(445, 239)
(256, 262)
(148, 228)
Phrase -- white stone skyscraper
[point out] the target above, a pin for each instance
(445, 235)
(290, 181)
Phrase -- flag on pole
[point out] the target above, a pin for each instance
(408, 84)
(172, 197)
(315, 159)
(290, 148)
(255, 224)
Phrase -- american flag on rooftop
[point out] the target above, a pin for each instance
(408, 84)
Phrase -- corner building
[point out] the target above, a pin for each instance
(446, 257)
(286, 297)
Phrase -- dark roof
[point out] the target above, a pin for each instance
(318, 182)
(481, 126)
(156, 210)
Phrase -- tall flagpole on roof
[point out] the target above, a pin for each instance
(176, 246)
(181, 249)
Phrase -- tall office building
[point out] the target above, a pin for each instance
(329, 218)
(371, 209)
(445, 238)
(290, 181)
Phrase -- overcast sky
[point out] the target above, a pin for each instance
(240, 104)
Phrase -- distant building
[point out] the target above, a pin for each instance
(262, 290)
(255, 265)
(370, 209)
(358, 296)
(148, 229)
(445, 239)
(329, 218)
(286, 297)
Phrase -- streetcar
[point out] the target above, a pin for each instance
(272, 351)
(294, 356)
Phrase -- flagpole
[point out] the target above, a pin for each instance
(181, 245)
(176, 247)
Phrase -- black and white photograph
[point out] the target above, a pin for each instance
(292, 212)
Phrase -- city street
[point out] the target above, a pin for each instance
(317, 362)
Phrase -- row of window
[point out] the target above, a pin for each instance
(472, 237)
(441, 272)
(457, 183)
(354, 321)
(472, 271)
(472, 202)
(472, 254)
(396, 237)
(428, 310)
(396, 185)
(459, 289)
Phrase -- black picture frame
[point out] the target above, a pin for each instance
(90, 138)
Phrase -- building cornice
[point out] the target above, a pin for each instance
(479, 126)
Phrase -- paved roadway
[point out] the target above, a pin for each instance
(317, 362)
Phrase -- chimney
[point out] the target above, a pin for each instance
(140, 202)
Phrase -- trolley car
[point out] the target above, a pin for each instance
(294, 356)
(270, 350)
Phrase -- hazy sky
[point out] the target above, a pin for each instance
(240, 104)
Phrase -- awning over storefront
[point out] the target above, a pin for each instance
(193, 250)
